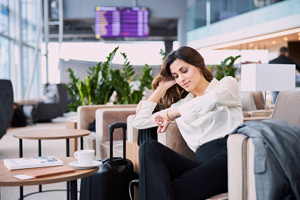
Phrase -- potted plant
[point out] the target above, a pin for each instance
(95, 89)
(225, 69)
(101, 81)
(123, 82)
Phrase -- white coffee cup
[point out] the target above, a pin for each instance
(85, 157)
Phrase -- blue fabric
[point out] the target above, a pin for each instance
(274, 95)
(276, 158)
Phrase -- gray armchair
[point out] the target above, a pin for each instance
(171, 138)
(104, 115)
(253, 104)
(53, 106)
(6, 105)
(241, 149)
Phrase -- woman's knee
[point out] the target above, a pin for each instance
(148, 146)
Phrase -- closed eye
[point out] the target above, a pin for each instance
(184, 70)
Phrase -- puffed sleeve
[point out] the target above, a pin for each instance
(144, 117)
(225, 93)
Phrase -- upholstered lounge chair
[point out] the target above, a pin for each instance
(241, 150)
(6, 105)
(105, 117)
(253, 104)
(172, 139)
(54, 105)
(87, 114)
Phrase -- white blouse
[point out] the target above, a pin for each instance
(203, 118)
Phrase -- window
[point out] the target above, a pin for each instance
(4, 58)
(4, 17)
(219, 10)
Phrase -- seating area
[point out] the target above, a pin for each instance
(241, 178)
(73, 72)
(241, 170)
(253, 103)
(53, 104)
(241, 181)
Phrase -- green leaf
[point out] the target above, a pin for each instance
(96, 88)
(225, 69)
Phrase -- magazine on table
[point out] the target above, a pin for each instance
(33, 162)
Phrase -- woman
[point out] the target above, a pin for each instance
(206, 111)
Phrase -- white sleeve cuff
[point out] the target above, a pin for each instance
(145, 107)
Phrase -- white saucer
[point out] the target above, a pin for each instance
(77, 166)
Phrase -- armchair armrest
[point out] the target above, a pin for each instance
(259, 113)
(86, 114)
(241, 177)
(171, 138)
(132, 133)
(105, 117)
(237, 166)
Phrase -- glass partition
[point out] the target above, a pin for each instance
(4, 17)
(4, 58)
(205, 12)
(29, 21)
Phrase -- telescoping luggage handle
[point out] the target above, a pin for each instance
(111, 129)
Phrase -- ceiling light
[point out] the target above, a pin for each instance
(273, 42)
(285, 38)
(262, 37)
(251, 45)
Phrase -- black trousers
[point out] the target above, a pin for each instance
(167, 175)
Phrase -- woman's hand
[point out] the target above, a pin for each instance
(162, 122)
(166, 83)
(164, 119)
(163, 85)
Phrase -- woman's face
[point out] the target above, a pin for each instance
(186, 75)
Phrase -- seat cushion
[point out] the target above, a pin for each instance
(117, 149)
(247, 101)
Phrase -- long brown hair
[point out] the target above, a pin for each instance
(175, 93)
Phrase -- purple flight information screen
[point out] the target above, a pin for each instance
(121, 22)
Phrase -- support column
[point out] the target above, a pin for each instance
(168, 46)
(19, 45)
(181, 31)
(46, 36)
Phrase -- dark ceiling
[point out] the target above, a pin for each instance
(83, 30)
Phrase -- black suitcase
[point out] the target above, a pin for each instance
(112, 180)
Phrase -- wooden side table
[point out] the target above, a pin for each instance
(7, 177)
(72, 124)
(50, 134)
(132, 153)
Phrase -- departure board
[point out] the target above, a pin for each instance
(121, 22)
